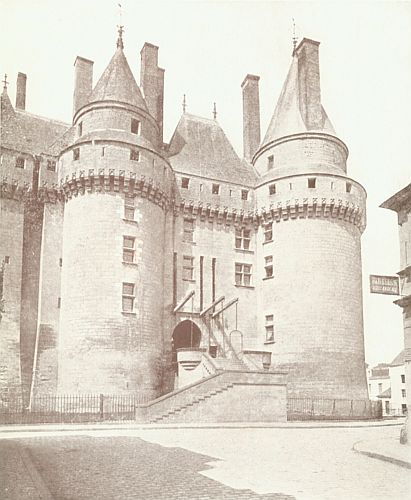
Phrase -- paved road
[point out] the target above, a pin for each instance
(200, 464)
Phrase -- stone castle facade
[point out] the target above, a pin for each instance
(118, 249)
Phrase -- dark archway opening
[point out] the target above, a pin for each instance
(186, 335)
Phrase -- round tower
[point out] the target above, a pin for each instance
(117, 186)
(313, 217)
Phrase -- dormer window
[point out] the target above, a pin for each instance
(185, 181)
(20, 162)
(215, 189)
(135, 126)
(51, 165)
(134, 155)
(76, 154)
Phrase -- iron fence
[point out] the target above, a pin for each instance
(70, 408)
(333, 409)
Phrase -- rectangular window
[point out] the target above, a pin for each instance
(332, 185)
(129, 207)
(387, 407)
(403, 393)
(135, 126)
(128, 248)
(348, 186)
(188, 268)
(404, 408)
(268, 266)
(7, 259)
(268, 232)
(379, 388)
(269, 328)
(20, 162)
(270, 162)
(103, 151)
(230, 192)
(271, 188)
(242, 274)
(59, 303)
(403, 379)
(128, 297)
(60, 262)
(185, 182)
(311, 183)
(242, 238)
(80, 129)
(134, 155)
(188, 228)
(244, 194)
(51, 165)
(215, 189)
(76, 154)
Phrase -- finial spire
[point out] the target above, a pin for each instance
(184, 103)
(294, 37)
(215, 111)
(120, 27)
(5, 82)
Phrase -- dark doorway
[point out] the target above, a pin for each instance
(186, 334)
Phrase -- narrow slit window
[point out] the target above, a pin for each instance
(271, 189)
(80, 129)
(76, 154)
(348, 187)
(270, 162)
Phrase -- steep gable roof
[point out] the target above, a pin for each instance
(25, 132)
(200, 147)
(117, 83)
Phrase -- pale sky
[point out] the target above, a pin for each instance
(207, 48)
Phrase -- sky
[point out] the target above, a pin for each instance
(208, 47)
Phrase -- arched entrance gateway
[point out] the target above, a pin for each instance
(185, 335)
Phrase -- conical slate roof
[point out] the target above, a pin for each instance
(287, 118)
(117, 83)
(199, 146)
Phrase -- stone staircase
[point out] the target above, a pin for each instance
(226, 396)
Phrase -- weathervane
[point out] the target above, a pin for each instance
(5, 81)
(215, 111)
(294, 37)
(120, 27)
(184, 103)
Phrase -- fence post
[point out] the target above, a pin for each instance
(101, 406)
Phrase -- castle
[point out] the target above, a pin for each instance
(121, 253)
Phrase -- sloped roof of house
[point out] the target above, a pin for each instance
(26, 132)
(200, 147)
(385, 394)
(117, 83)
(399, 359)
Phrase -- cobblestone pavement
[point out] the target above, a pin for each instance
(210, 464)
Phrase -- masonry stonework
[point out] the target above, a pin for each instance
(124, 249)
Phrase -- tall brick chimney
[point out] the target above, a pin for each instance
(152, 83)
(251, 116)
(83, 82)
(21, 91)
(309, 83)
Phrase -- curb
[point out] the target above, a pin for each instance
(35, 476)
(379, 456)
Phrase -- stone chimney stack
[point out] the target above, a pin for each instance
(83, 82)
(21, 91)
(251, 116)
(152, 83)
(309, 83)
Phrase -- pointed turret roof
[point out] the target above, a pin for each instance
(117, 83)
(291, 115)
(199, 146)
